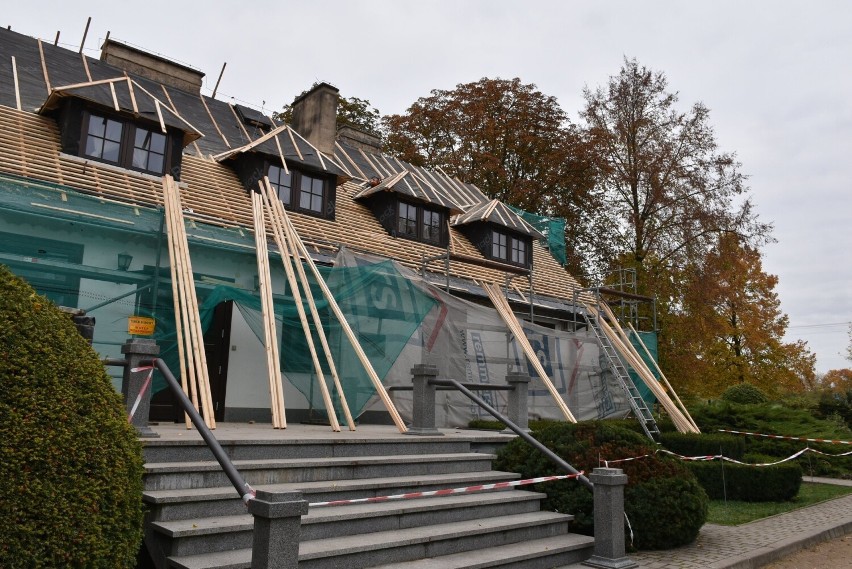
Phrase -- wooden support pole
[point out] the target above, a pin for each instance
(306, 286)
(270, 335)
(347, 330)
(85, 33)
(664, 378)
(281, 241)
(505, 311)
(176, 299)
(216, 88)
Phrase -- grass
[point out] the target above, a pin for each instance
(735, 513)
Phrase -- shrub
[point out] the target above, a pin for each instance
(691, 444)
(744, 394)
(725, 480)
(70, 463)
(664, 489)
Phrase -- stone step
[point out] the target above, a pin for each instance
(402, 545)
(544, 553)
(223, 533)
(167, 505)
(208, 474)
(197, 451)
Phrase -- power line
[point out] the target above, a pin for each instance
(825, 325)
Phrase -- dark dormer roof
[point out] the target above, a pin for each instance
(127, 97)
(252, 117)
(498, 213)
(407, 184)
(285, 144)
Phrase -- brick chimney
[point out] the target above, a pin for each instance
(315, 116)
(153, 67)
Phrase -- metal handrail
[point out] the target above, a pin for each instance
(242, 487)
(509, 424)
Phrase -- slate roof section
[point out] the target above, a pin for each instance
(498, 213)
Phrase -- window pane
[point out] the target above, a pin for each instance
(498, 245)
(140, 158)
(519, 252)
(281, 182)
(94, 146)
(113, 130)
(155, 163)
(158, 142)
(407, 219)
(111, 150)
(311, 193)
(432, 221)
(97, 125)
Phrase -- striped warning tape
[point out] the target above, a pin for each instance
(832, 441)
(141, 391)
(722, 457)
(448, 491)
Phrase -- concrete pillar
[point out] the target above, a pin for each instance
(609, 520)
(518, 410)
(135, 388)
(277, 528)
(424, 401)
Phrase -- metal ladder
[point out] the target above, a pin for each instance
(637, 404)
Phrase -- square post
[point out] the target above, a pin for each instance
(518, 410)
(277, 528)
(609, 520)
(424, 401)
(135, 386)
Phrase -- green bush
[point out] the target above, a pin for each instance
(744, 394)
(725, 480)
(70, 463)
(777, 419)
(691, 444)
(662, 486)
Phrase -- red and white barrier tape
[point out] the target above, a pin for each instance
(832, 441)
(725, 458)
(141, 391)
(447, 492)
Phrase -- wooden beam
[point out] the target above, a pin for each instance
(44, 67)
(505, 311)
(15, 79)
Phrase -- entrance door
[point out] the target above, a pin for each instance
(217, 345)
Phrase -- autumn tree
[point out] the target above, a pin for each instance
(838, 380)
(730, 329)
(663, 180)
(513, 142)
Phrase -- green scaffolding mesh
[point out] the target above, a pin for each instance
(650, 341)
(553, 229)
(382, 307)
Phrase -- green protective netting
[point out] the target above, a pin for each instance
(382, 307)
(650, 341)
(553, 229)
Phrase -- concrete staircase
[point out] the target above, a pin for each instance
(197, 521)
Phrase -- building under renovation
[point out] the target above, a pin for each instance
(90, 147)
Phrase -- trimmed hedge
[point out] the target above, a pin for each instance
(692, 444)
(725, 480)
(70, 463)
(664, 502)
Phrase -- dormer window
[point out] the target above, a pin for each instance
(118, 141)
(301, 191)
(420, 222)
(510, 248)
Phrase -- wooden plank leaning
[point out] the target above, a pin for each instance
(294, 253)
(281, 241)
(170, 237)
(505, 311)
(347, 329)
(270, 336)
(189, 301)
(664, 378)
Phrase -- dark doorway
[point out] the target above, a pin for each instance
(217, 347)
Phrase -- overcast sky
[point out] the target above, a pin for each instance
(775, 75)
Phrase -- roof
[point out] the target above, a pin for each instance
(497, 212)
(30, 148)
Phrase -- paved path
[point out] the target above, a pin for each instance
(758, 543)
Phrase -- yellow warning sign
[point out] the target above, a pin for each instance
(140, 325)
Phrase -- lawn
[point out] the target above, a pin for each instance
(734, 513)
